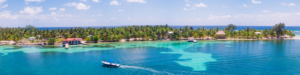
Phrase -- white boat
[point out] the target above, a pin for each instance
(110, 63)
(195, 41)
(67, 46)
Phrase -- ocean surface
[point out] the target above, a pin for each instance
(269, 57)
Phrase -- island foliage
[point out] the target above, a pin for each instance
(148, 32)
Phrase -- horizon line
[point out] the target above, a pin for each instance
(151, 25)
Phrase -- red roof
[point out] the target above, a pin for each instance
(73, 39)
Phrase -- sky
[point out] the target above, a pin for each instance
(83, 13)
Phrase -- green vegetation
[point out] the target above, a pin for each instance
(51, 41)
(159, 32)
(230, 27)
(278, 28)
(277, 31)
(96, 39)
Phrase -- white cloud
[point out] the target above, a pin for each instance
(62, 9)
(128, 18)
(139, 1)
(7, 15)
(89, 20)
(256, 2)
(244, 5)
(120, 10)
(291, 4)
(113, 18)
(96, 1)
(200, 5)
(219, 17)
(71, 4)
(266, 11)
(257, 19)
(114, 3)
(32, 10)
(187, 5)
(53, 13)
(79, 6)
(224, 6)
(50, 18)
(82, 6)
(187, 1)
(53, 8)
(192, 19)
(4, 6)
(97, 15)
(2, 1)
(83, 0)
(185, 9)
(33, 1)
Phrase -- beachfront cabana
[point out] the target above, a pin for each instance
(258, 33)
(221, 34)
(72, 41)
(170, 32)
(31, 38)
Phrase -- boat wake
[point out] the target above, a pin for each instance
(147, 69)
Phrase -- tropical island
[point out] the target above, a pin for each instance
(33, 36)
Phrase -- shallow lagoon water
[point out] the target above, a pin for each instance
(156, 57)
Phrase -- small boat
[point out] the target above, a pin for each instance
(110, 63)
(66, 46)
(195, 41)
(41, 44)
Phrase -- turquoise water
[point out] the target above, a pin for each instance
(155, 57)
(297, 33)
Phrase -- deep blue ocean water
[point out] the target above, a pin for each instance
(270, 57)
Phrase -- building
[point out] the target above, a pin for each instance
(221, 35)
(31, 38)
(72, 41)
(258, 33)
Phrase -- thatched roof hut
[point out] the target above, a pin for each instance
(221, 34)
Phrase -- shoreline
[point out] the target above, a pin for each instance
(228, 39)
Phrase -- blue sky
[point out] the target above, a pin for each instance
(66, 13)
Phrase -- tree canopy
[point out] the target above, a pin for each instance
(230, 27)
(278, 28)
